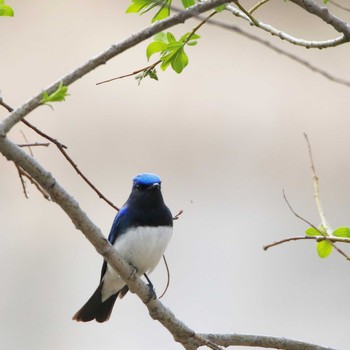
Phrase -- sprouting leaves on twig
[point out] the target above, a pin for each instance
(57, 96)
(171, 50)
(6, 10)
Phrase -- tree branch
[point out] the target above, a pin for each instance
(284, 36)
(105, 56)
(323, 12)
(227, 340)
(181, 333)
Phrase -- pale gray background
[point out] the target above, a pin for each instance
(226, 138)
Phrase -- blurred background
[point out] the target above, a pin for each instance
(226, 136)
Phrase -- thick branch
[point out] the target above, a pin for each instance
(105, 56)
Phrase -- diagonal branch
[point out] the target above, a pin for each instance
(108, 54)
(181, 332)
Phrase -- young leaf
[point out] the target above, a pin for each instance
(179, 61)
(154, 47)
(6, 10)
(162, 37)
(170, 37)
(312, 232)
(137, 6)
(324, 248)
(342, 232)
(164, 12)
(187, 3)
(57, 96)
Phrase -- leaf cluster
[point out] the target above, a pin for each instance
(171, 50)
(57, 96)
(324, 247)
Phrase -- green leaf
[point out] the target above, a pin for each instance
(137, 6)
(312, 232)
(170, 37)
(342, 232)
(152, 73)
(57, 96)
(166, 60)
(154, 47)
(6, 10)
(179, 61)
(324, 248)
(186, 36)
(162, 37)
(220, 8)
(164, 12)
(187, 3)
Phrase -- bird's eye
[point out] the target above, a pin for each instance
(138, 187)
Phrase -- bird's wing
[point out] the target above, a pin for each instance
(120, 223)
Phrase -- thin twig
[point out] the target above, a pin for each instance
(316, 189)
(168, 277)
(22, 173)
(150, 67)
(34, 144)
(247, 13)
(42, 134)
(26, 140)
(62, 148)
(327, 238)
(315, 238)
(70, 160)
(176, 217)
(255, 7)
(266, 43)
(22, 181)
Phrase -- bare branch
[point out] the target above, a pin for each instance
(33, 144)
(266, 43)
(150, 67)
(284, 36)
(315, 238)
(19, 170)
(316, 189)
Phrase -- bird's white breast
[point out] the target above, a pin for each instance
(141, 247)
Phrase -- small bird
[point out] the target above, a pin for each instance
(140, 233)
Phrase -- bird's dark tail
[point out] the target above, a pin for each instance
(95, 309)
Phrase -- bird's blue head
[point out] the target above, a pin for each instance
(146, 191)
(146, 179)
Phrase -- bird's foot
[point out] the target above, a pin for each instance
(152, 292)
